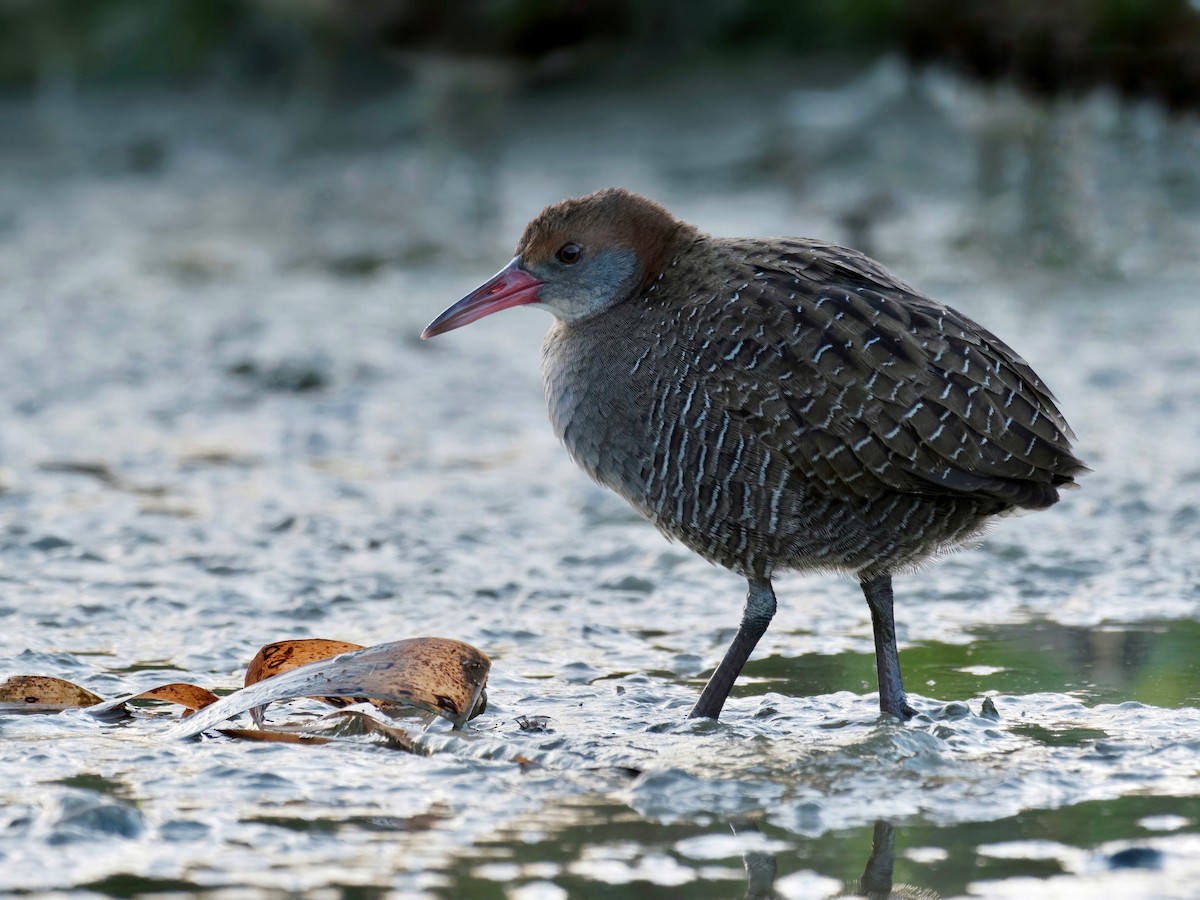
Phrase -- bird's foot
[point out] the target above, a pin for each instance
(898, 708)
(707, 708)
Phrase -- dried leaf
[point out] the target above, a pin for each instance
(189, 696)
(434, 674)
(43, 693)
(283, 656)
(273, 737)
(340, 725)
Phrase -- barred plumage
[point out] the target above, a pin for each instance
(777, 404)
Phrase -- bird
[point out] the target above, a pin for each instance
(780, 404)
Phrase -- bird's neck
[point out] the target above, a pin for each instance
(660, 248)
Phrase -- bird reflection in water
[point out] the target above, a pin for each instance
(875, 884)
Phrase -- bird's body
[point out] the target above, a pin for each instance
(777, 404)
(743, 413)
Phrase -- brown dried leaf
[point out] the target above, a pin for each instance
(438, 675)
(189, 696)
(273, 737)
(341, 725)
(281, 656)
(43, 693)
(435, 674)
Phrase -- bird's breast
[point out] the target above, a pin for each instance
(637, 411)
(596, 403)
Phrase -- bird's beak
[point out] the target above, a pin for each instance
(511, 286)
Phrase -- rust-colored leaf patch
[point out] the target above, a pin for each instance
(42, 693)
(274, 737)
(282, 656)
(190, 696)
(433, 676)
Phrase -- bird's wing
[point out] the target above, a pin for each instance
(866, 387)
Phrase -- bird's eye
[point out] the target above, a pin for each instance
(569, 253)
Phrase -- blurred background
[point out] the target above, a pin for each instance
(223, 224)
(208, 205)
(1070, 126)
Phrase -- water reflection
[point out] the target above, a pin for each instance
(761, 866)
(243, 333)
(876, 882)
(1151, 663)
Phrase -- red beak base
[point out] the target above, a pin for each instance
(511, 286)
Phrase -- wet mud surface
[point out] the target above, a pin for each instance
(220, 430)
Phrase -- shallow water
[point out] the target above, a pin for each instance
(220, 430)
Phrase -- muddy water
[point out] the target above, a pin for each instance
(219, 430)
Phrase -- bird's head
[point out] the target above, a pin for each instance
(578, 258)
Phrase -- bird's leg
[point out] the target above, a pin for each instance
(756, 616)
(892, 698)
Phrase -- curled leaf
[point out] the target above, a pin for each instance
(273, 737)
(43, 693)
(283, 656)
(340, 725)
(437, 675)
(190, 696)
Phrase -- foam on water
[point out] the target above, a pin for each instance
(211, 441)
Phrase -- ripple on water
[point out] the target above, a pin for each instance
(84, 816)
(211, 464)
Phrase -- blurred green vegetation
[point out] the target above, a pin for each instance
(1140, 46)
(115, 40)
(119, 41)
